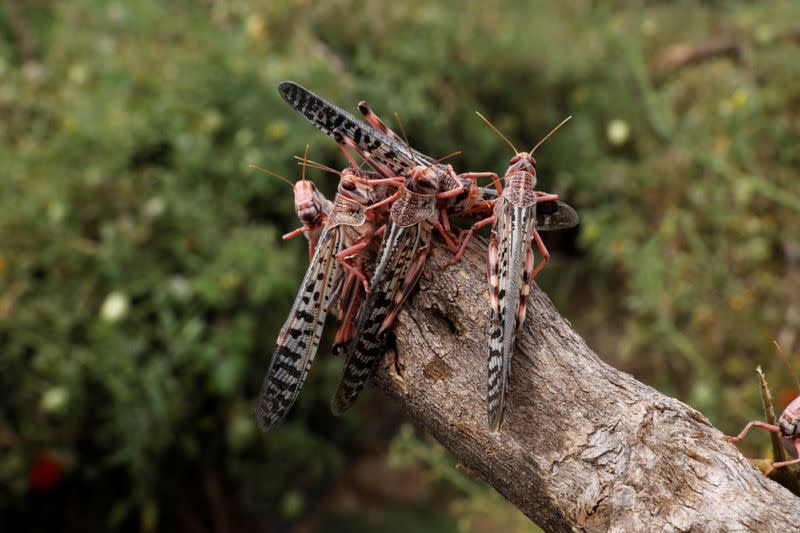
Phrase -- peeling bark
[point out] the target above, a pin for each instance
(582, 446)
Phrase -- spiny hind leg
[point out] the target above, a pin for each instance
(355, 268)
(351, 303)
(375, 121)
(493, 273)
(749, 426)
(524, 289)
(406, 286)
(468, 236)
(773, 466)
(542, 250)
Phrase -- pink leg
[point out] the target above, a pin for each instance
(405, 288)
(495, 178)
(347, 252)
(773, 466)
(374, 120)
(451, 193)
(749, 426)
(380, 231)
(545, 197)
(524, 289)
(476, 226)
(492, 264)
(397, 182)
(543, 251)
(349, 156)
(445, 222)
(385, 201)
(294, 233)
(347, 322)
(446, 236)
(378, 167)
(310, 250)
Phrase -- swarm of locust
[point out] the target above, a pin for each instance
(391, 213)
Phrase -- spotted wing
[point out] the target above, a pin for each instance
(509, 249)
(300, 336)
(399, 247)
(554, 215)
(330, 118)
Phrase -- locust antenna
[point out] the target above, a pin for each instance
(549, 134)
(486, 120)
(305, 159)
(405, 138)
(448, 156)
(274, 174)
(318, 166)
(786, 362)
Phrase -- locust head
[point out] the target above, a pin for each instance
(308, 202)
(522, 167)
(426, 180)
(789, 421)
(354, 185)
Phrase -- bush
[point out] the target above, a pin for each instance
(143, 280)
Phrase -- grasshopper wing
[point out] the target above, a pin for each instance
(554, 215)
(330, 118)
(300, 336)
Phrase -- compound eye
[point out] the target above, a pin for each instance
(348, 185)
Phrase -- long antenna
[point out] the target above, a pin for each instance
(486, 120)
(549, 134)
(265, 171)
(405, 138)
(786, 362)
(448, 156)
(305, 158)
(315, 164)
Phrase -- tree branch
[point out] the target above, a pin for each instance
(582, 445)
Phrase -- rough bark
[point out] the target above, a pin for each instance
(582, 446)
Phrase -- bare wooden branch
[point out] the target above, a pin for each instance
(679, 55)
(582, 446)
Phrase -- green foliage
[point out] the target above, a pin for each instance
(143, 280)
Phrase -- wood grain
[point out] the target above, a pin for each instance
(582, 446)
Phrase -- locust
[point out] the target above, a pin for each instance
(335, 267)
(427, 191)
(460, 195)
(788, 427)
(385, 152)
(313, 208)
(310, 205)
(511, 262)
(405, 247)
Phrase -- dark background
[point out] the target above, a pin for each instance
(143, 279)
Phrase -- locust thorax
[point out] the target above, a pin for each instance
(789, 421)
(309, 202)
(521, 180)
(426, 180)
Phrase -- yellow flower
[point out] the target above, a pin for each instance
(255, 27)
(114, 307)
(618, 132)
